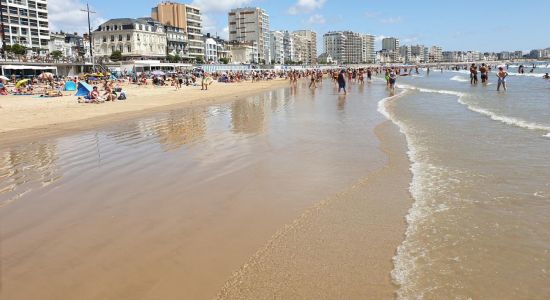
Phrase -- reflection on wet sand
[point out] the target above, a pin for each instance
(22, 169)
(180, 129)
(248, 117)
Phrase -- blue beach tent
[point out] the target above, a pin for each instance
(84, 89)
(70, 86)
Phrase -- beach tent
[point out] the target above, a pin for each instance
(70, 86)
(83, 89)
(113, 77)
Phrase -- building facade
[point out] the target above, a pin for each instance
(186, 17)
(369, 54)
(251, 25)
(134, 38)
(390, 44)
(277, 47)
(26, 23)
(310, 39)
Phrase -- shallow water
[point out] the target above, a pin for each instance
(173, 204)
(480, 226)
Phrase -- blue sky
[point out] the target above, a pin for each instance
(491, 25)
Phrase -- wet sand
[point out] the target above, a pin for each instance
(342, 248)
(170, 206)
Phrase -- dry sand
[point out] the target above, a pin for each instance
(27, 117)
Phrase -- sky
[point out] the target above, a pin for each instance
(491, 25)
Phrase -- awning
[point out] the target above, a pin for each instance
(23, 67)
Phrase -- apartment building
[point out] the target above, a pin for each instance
(310, 39)
(26, 23)
(186, 17)
(251, 25)
(347, 47)
(277, 47)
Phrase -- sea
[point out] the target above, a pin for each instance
(480, 224)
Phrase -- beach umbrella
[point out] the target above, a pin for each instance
(21, 83)
(4, 78)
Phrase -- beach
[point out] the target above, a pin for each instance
(177, 203)
(438, 189)
(26, 117)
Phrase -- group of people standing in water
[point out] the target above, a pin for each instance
(484, 70)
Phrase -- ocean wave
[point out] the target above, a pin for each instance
(460, 79)
(494, 116)
(493, 73)
(547, 135)
(405, 259)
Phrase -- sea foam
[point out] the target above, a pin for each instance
(494, 116)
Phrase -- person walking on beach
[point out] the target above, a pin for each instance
(473, 74)
(342, 82)
(501, 78)
(312, 81)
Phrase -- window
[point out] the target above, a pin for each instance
(112, 38)
(129, 49)
(120, 37)
(120, 48)
(127, 37)
(112, 49)
(105, 39)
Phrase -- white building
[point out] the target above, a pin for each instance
(347, 47)
(369, 55)
(210, 50)
(288, 47)
(309, 38)
(244, 53)
(26, 23)
(134, 38)
(277, 47)
(251, 25)
(436, 54)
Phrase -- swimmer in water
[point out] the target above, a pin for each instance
(501, 78)
(546, 76)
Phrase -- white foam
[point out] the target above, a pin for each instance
(547, 135)
(460, 79)
(496, 117)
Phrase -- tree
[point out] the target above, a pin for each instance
(177, 58)
(224, 60)
(116, 55)
(56, 54)
(199, 60)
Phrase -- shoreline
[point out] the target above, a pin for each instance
(344, 246)
(77, 117)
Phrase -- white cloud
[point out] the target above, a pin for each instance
(317, 19)
(392, 20)
(219, 6)
(66, 15)
(371, 14)
(306, 6)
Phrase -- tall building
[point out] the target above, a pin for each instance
(288, 47)
(186, 17)
(349, 47)
(26, 24)
(251, 24)
(419, 54)
(436, 54)
(310, 40)
(299, 48)
(369, 55)
(277, 47)
(335, 45)
(390, 44)
(406, 54)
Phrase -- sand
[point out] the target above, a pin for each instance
(26, 117)
(343, 247)
(107, 236)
